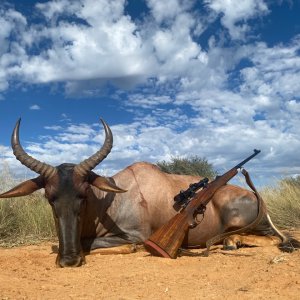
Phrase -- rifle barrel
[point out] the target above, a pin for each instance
(238, 166)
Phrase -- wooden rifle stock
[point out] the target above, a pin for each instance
(166, 241)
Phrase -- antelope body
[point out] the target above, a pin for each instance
(91, 211)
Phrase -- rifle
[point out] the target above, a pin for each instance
(166, 241)
(184, 197)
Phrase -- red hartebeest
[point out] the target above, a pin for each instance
(91, 211)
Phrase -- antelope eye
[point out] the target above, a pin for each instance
(52, 199)
(82, 195)
(82, 191)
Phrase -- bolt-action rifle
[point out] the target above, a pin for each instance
(167, 239)
(183, 198)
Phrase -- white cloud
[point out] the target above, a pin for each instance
(168, 10)
(53, 127)
(11, 23)
(6, 152)
(107, 45)
(235, 14)
(275, 70)
(34, 107)
(51, 9)
(293, 106)
(144, 101)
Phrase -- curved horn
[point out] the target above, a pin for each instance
(25, 159)
(90, 163)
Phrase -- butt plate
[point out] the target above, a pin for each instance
(155, 250)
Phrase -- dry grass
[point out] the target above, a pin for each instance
(24, 220)
(283, 203)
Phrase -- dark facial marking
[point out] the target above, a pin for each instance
(66, 194)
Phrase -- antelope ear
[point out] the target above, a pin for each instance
(25, 188)
(105, 184)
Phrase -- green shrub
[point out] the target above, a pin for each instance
(188, 166)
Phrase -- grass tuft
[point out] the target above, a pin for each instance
(283, 202)
(24, 220)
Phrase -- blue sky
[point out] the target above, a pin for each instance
(214, 78)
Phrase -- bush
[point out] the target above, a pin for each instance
(188, 166)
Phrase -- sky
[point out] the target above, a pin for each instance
(176, 78)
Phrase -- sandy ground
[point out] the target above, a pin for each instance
(248, 273)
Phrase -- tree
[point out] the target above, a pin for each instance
(194, 165)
